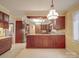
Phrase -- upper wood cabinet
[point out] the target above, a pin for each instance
(6, 17)
(1, 25)
(44, 27)
(1, 16)
(4, 20)
(19, 25)
(6, 25)
(59, 23)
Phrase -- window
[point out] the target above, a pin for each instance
(76, 26)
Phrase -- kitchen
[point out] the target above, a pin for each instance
(27, 31)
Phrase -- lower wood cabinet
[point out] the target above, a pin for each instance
(45, 41)
(5, 45)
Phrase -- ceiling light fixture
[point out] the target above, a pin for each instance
(52, 13)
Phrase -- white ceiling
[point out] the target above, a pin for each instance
(24, 6)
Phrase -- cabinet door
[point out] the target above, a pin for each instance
(6, 21)
(19, 36)
(1, 25)
(5, 25)
(52, 41)
(60, 41)
(19, 25)
(28, 45)
(1, 19)
(6, 17)
(36, 42)
(45, 41)
(1, 16)
(19, 32)
(60, 23)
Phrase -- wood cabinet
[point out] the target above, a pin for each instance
(1, 16)
(59, 23)
(6, 25)
(44, 28)
(60, 41)
(45, 41)
(6, 17)
(19, 25)
(37, 29)
(4, 20)
(1, 25)
(19, 32)
(5, 44)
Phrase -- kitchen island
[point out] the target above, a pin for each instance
(45, 41)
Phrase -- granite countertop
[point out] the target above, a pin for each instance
(3, 37)
(45, 34)
(58, 33)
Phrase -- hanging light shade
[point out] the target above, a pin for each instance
(52, 13)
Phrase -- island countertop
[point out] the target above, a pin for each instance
(3, 37)
(49, 34)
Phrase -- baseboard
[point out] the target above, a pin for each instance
(72, 52)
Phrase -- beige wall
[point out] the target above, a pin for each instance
(70, 43)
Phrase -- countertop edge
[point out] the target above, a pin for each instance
(5, 37)
(45, 34)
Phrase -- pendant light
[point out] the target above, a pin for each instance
(52, 13)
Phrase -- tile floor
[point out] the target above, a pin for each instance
(19, 51)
